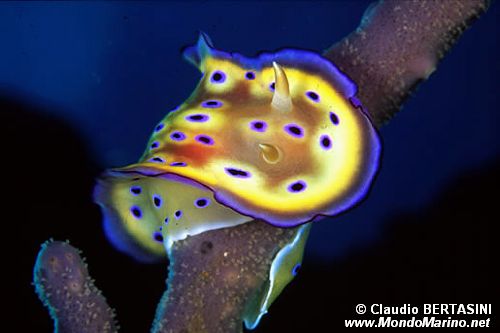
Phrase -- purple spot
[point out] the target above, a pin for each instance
(325, 141)
(272, 86)
(178, 214)
(218, 77)
(202, 202)
(334, 119)
(158, 237)
(250, 75)
(200, 118)
(157, 200)
(166, 220)
(258, 126)
(155, 145)
(294, 130)
(178, 164)
(297, 186)
(157, 159)
(177, 136)
(205, 139)
(295, 269)
(211, 104)
(135, 190)
(238, 173)
(159, 127)
(136, 212)
(313, 96)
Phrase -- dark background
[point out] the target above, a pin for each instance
(83, 84)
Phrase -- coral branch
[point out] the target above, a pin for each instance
(213, 274)
(398, 45)
(65, 287)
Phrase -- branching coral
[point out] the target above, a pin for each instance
(65, 287)
(217, 265)
(215, 276)
(398, 45)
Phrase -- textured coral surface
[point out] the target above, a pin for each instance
(65, 287)
(398, 45)
(213, 275)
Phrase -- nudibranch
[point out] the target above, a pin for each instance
(280, 137)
